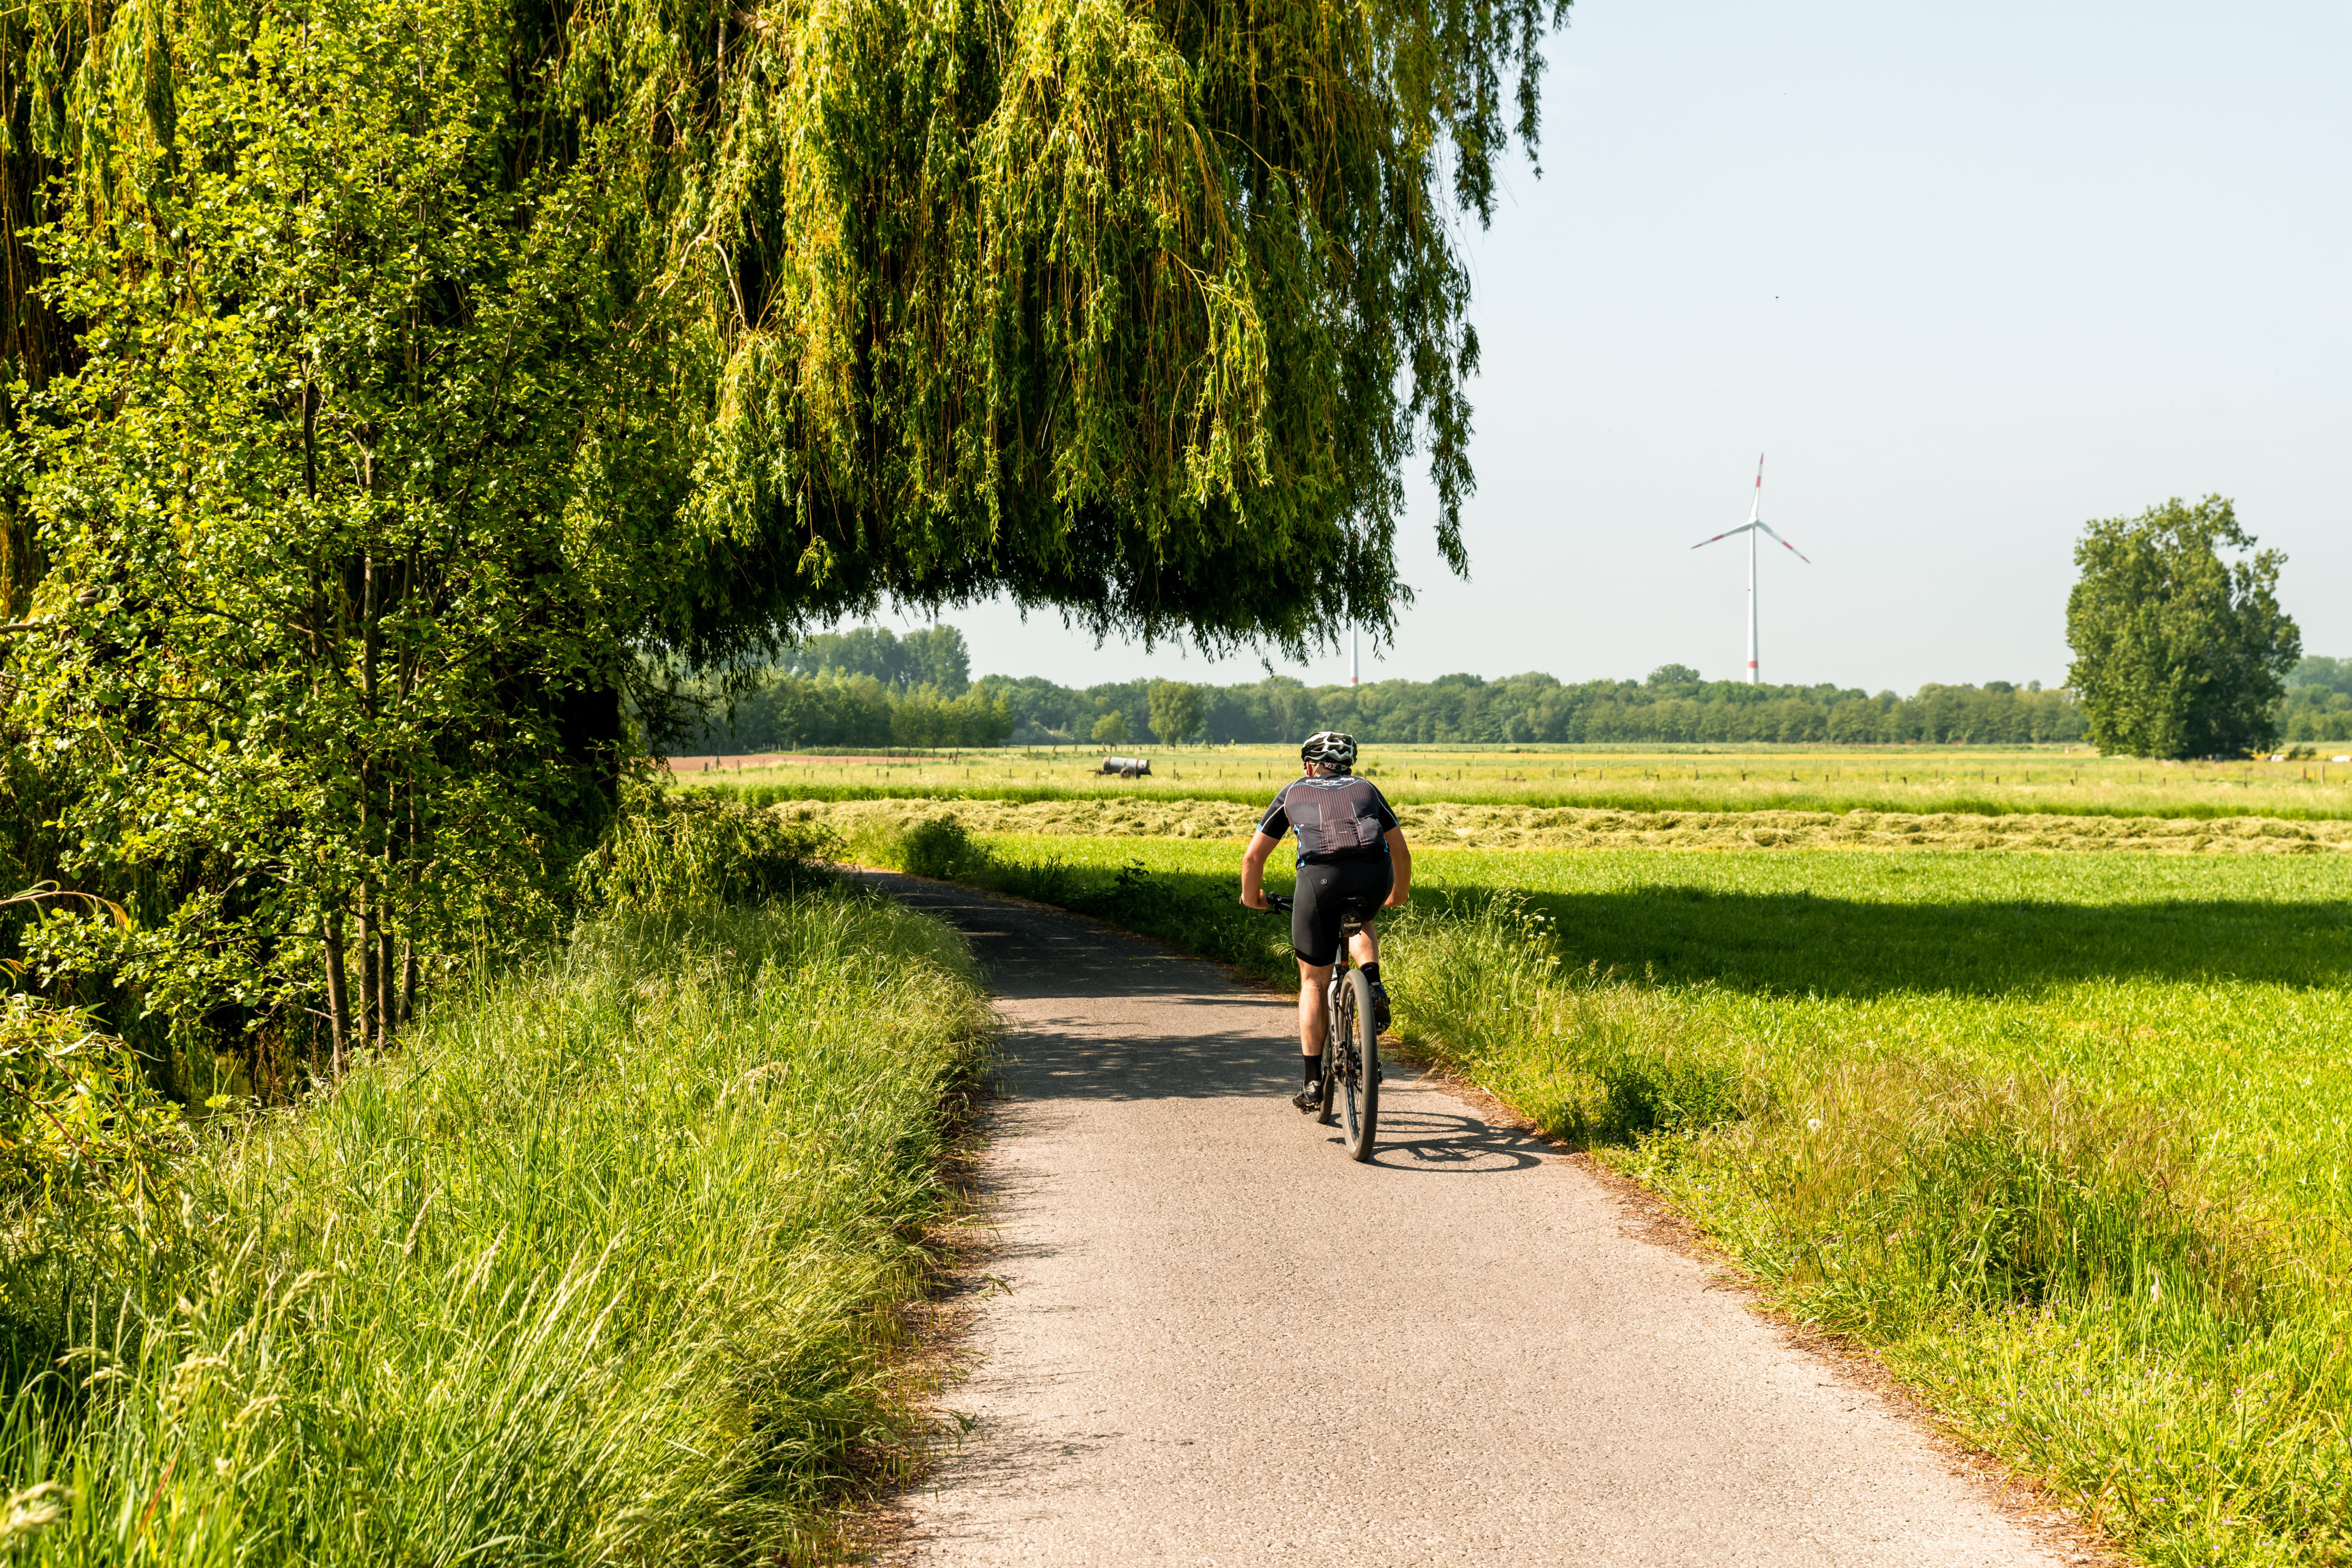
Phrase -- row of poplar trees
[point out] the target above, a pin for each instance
(401, 390)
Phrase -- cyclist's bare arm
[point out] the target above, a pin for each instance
(1399, 860)
(1253, 870)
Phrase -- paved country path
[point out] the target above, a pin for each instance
(1220, 1342)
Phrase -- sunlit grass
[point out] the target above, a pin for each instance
(605, 1267)
(2060, 1135)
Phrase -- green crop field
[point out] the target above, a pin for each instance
(2060, 1135)
(1919, 780)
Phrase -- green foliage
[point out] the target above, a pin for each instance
(77, 1117)
(932, 845)
(344, 514)
(400, 388)
(935, 656)
(608, 1260)
(852, 710)
(2317, 669)
(1132, 311)
(1175, 711)
(2177, 653)
(1537, 708)
(2318, 705)
(694, 854)
(1109, 730)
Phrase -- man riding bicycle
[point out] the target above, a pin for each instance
(1352, 859)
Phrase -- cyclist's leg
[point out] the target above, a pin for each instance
(1314, 943)
(1314, 1004)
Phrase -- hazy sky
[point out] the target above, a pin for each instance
(1968, 274)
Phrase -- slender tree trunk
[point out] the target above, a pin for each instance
(339, 1014)
(366, 954)
(385, 1022)
(407, 980)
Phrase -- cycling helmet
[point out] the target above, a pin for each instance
(1331, 748)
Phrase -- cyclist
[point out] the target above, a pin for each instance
(1351, 856)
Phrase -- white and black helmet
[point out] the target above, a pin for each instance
(1331, 748)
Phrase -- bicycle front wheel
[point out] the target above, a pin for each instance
(1356, 1078)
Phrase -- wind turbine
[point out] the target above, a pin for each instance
(1752, 528)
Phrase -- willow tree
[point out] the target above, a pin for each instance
(394, 376)
(1135, 309)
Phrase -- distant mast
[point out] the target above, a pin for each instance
(1755, 524)
(1351, 655)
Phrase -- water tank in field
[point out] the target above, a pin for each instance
(1128, 766)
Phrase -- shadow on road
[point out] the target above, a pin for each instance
(1431, 1143)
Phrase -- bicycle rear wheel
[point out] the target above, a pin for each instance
(1356, 1067)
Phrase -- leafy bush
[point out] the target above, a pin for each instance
(76, 1113)
(934, 846)
(684, 853)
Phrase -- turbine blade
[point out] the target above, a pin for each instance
(1785, 545)
(1756, 505)
(1728, 533)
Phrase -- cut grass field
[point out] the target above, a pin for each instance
(1569, 827)
(2060, 1135)
(1913, 780)
(605, 1266)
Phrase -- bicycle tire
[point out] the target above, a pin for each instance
(1356, 1069)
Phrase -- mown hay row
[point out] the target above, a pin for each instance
(1569, 827)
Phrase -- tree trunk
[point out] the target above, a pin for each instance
(368, 1000)
(339, 1013)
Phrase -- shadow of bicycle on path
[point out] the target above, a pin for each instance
(1439, 1143)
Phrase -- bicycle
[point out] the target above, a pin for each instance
(1351, 1047)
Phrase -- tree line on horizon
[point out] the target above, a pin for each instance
(870, 688)
(864, 688)
(2179, 653)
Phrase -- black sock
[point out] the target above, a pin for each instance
(1371, 974)
(1313, 1066)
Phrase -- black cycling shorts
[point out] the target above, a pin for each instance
(1331, 890)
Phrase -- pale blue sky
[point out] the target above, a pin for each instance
(1969, 274)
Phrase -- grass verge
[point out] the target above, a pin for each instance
(605, 1266)
(2058, 1136)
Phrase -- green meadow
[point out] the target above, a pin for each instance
(2062, 1136)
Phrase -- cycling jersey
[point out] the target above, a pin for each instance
(1339, 818)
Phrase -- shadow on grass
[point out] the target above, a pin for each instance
(1794, 943)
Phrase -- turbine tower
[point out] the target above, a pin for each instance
(1755, 524)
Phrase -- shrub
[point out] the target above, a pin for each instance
(680, 853)
(77, 1116)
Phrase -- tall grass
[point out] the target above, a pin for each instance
(2060, 1136)
(605, 1267)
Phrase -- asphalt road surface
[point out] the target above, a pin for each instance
(1212, 1339)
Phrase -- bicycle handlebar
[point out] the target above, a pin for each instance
(1278, 902)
